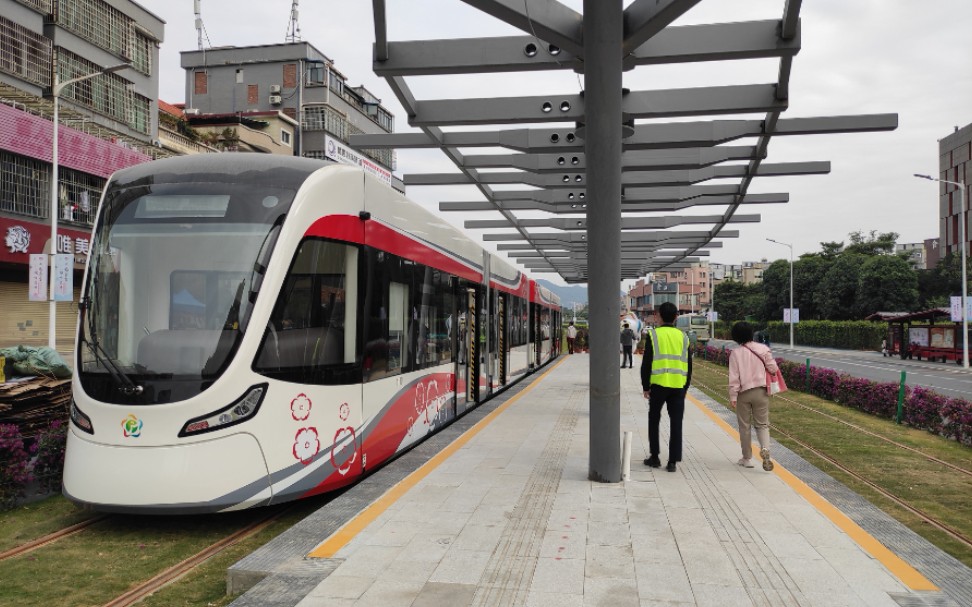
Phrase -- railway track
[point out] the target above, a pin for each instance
(925, 517)
(50, 538)
(909, 448)
(166, 577)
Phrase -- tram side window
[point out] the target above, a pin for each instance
(311, 334)
(408, 311)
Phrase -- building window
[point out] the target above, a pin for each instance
(24, 54)
(78, 195)
(142, 54)
(201, 82)
(99, 23)
(239, 76)
(107, 94)
(290, 76)
(285, 137)
(26, 185)
(252, 94)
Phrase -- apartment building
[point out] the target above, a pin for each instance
(954, 164)
(299, 81)
(108, 120)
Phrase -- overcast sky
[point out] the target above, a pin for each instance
(858, 57)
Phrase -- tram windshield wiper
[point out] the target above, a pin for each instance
(125, 384)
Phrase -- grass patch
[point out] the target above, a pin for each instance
(122, 551)
(32, 521)
(935, 489)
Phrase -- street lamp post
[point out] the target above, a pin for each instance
(791, 286)
(55, 93)
(965, 296)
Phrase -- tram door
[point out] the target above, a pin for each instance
(468, 361)
(501, 347)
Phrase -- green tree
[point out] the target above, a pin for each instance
(886, 283)
(735, 301)
(872, 244)
(808, 272)
(937, 285)
(837, 293)
(776, 289)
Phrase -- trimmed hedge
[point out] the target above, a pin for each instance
(923, 408)
(844, 334)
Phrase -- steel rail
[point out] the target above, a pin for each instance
(166, 577)
(932, 458)
(944, 528)
(50, 538)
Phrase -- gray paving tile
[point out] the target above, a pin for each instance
(610, 591)
(610, 562)
(608, 534)
(461, 567)
(663, 581)
(391, 593)
(559, 575)
(435, 594)
(553, 599)
(564, 544)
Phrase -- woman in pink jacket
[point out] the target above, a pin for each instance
(748, 365)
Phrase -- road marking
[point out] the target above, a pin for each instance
(908, 575)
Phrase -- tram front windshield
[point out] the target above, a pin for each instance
(174, 271)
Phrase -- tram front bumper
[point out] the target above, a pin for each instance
(227, 473)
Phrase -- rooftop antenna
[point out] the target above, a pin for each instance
(293, 28)
(199, 24)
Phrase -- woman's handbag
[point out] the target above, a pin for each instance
(774, 383)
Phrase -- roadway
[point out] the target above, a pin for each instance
(948, 379)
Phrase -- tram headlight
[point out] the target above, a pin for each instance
(236, 412)
(80, 420)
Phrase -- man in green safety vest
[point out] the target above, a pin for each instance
(666, 370)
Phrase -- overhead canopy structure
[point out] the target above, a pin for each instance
(666, 167)
(605, 183)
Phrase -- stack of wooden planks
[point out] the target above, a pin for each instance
(32, 404)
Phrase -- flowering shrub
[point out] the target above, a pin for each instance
(14, 466)
(49, 465)
(923, 408)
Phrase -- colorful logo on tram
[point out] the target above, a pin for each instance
(131, 426)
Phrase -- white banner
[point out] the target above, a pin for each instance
(956, 302)
(789, 313)
(38, 277)
(337, 151)
(712, 316)
(63, 277)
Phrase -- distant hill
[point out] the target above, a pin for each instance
(568, 294)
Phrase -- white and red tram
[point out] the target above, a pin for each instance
(256, 329)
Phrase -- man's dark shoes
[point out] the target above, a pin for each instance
(653, 461)
(670, 467)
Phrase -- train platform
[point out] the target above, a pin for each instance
(496, 510)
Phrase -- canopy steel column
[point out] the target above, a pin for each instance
(603, 45)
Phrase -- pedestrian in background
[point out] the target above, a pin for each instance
(748, 365)
(571, 336)
(666, 371)
(627, 344)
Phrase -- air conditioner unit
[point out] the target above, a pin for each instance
(275, 99)
(191, 111)
(274, 89)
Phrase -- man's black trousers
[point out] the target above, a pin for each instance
(674, 399)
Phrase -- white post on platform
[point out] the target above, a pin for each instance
(55, 93)
(626, 457)
(791, 286)
(961, 185)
